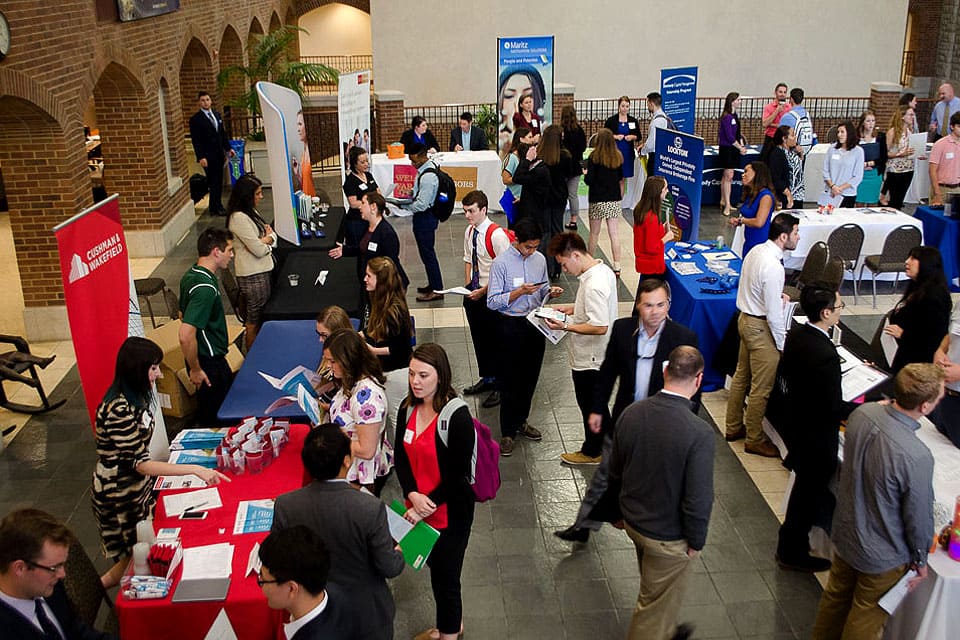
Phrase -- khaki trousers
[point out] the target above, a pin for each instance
(753, 380)
(664, 569)
(848, 607)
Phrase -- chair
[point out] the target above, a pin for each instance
(13, 366)
(173, 304)
(832, 134)
(147, 287)
(845, 242)
(84, 589)
(812, 270)
(833, 272)
(896, 247)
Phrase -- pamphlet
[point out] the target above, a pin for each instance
(685, 268)
(550, 313)
(888, 343)
(458, 291)
(200, 500)
(178, 482)
(203, 457)
(253, 560)
(253, 516)
(416, 542)
(857, 377)
(206, 438)
(892, 598)
(299, 375)
(553, 336)
(209, 561)
(221, 629)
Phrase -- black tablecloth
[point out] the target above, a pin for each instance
(331, 227)
(305, 301)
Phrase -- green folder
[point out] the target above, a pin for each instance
(417, 544)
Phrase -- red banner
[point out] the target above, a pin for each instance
(404, 177)
(96, 286)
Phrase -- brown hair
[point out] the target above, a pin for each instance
(433, 354)
(568, 118)
(761, 180)
(605, 152)
(333, 318)
(863, 118)
(917, 383)
(375, 198)
(23, 532)
(650, 201)
(897, 125)
(518, 134)
(549, 149)
(354, 357)
(389, 314)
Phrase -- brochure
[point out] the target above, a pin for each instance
(416, 540)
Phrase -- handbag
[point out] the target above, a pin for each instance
(506, 203)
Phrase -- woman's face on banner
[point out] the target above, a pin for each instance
(516, 86)
(301, 128)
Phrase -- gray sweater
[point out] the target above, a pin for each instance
(663, 462)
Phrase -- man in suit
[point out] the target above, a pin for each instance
(806, 407)
(662, 463)
(211, 147)
(293, 576)
(352, 526)
(33, 601)
(466, 136)
(635, 355)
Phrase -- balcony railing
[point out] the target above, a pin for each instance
(343, 64)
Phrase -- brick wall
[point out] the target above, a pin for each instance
(924, 33)
(390, 122)
(561, 100)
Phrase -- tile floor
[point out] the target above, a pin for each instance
(519, 581)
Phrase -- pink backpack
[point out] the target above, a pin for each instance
(485, 465)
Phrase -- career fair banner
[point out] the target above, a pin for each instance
(287, 154)
(525, 68)
(353, 113)
(680, 162)
(678, 89)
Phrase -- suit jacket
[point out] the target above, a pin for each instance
(407, 140)
(478, 139)
(337, 621)
(353, 525)
(16, 627)
(620, 361)
(208, 142)
(388, 245)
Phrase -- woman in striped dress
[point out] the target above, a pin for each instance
(122, 494)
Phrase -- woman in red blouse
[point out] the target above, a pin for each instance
(434, 479)
(648, 233)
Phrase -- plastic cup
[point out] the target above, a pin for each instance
(294, 280)
(254, 461)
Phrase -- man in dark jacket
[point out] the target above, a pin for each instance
(211, 147)
(467, 137)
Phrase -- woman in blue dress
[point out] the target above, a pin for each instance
(625, 130)
(758, 206)
(874, 145)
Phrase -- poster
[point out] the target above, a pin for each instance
(524, 67)
(283, 124)
(404, 178)
(465, 178)
(680, 161)
(678, 89)
(136, 9)
(353, 113)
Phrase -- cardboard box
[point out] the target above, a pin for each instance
(177, 393)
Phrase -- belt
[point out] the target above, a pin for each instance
(753, 316)
(950, 186)
(951, 393)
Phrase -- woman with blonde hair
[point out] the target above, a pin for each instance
(899, 156)
(604, 175)
(328, 320)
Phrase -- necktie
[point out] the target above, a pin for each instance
(213, 120)
(945, 125)
(475, 263)
(49, 629)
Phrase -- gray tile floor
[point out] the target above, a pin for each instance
(519, 581)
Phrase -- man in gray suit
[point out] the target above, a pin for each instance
(352, 525)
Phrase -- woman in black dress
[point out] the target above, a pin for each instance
(574, 141)
(358, 182)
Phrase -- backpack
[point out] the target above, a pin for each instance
(488, 238)
(446, 194)
(484, 476)
(804, 131)
(669, 120)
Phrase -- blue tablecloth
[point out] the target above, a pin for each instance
(707, 314)
(944, 234)
(713, 172)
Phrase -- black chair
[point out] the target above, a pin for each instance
(14, 365)
(147, 287)
(896, 247)
(846, 242)
(812, 270)
(833, 272)
(84, 589)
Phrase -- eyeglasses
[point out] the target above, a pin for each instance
(261, 581)
(842, 305)
(323, 335)
(53, 570)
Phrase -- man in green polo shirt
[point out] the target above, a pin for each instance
(203, 334)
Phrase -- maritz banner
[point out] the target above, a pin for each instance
(353, 114)
(680, 161)
(525, 68)
(678, 90)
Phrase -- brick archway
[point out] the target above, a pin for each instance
(196, 75)
(303, 6)
(231, 54)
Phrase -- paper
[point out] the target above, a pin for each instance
(860, 379)
(299, 375)
(685, 268)
(253, 561)
(459, 291)
(321, 278)
(253, 516)
(221, 629)
(200, 500)
(203, 457)
(551, 314)
(720, 255)
(789, 308)
(198, 439)
(308, 402)
(210, 561)
(888, 343)
(418, 542)
(178, 482)
(825, 199)
(398, 525)
(892, 599)
(553, 336)
(702, 247)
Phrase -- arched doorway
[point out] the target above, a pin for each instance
(196, 75)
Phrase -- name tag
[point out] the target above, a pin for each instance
(408, 436)
(733, 122)
(835, 156)
(535, 124)
(371, 246)
(948, 155)
(517, 282)
(631, 125)
(363, 186)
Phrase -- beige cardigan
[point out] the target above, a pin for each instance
(251, 255)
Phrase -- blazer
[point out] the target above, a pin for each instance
(353, 525)
(208, 142)
(16, 627)
(388, 246)
(620, 361)
(478, 139)
(337, 621)
(407, 140)
(924, 322)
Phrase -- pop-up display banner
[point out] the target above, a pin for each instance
(353, 114)
(281, 108)
(680, 162)
(678, 91)
(524, 67)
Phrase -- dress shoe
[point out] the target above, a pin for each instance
(683, 632)
(492, 400)
(765, 449)
(45, 362)
(804, 564)
(579, 458)
(530, 433)
(573, 534)
(429, 297)
(506, 446)
(481, 386)
(426, 289)
(733, 437)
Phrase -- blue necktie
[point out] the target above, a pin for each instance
(49, 629)
(475, 263)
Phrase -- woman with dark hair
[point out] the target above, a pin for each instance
(574, 141)
(419, 134)
(379, 238)
(778, 160)
(328, 320)
(512, 153)
(359, 182)
(388, 331)
(516, 83)
(910, 100)
(649, 234)
(899, 157)
(874, 145)
(605, 181)
(842, 169)
(758, 206)
(253, 259)
(625, 129)
(360, 406)
(433, 476)
(732, 146)
(122, 492)
(922, 317)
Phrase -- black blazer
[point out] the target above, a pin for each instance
(612, 123)
(924, 323)
(620, 361)
(208, 142)
(535, 179)
(478, 139)
(388, 245)
(575, 141)
(335, 622)
(407, 140)
(16, 627)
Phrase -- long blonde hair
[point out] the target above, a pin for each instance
(389, 314)
(605, 152)
(897, 124)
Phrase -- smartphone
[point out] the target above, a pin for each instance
(193, 515)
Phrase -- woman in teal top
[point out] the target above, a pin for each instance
(758, 205)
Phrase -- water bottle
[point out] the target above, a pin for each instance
(720, 241)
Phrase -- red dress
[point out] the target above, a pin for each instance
(648, 245)
(535, 125)
(422, 452)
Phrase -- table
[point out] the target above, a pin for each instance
(706, 314)
(944, 233)
(813, 175)
(307, 299)
(279, 347)
(245, 605)
(487, 164)
(713, 173)
(331, 222)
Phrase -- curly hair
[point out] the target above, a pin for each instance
(389, 315)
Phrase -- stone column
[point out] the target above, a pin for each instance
(390, 121)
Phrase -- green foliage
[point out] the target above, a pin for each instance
(486, 118)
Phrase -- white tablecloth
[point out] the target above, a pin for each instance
(813, 176)
(486, 162)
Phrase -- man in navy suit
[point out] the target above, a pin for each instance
(467, 137)
(33, 602)
(211, 147)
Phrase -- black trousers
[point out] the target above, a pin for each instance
(848, 202)
(811, 503)
(446, 565)
(583, 384)
(947, 418)
(551, 221)
(521, 349)
(210, 398)
(897, 185)
(483, 331)
(214, 173)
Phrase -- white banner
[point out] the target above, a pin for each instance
(353, 112)
(281, 109)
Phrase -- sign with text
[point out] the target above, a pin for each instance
(680, 162)
(353, 116)
(464, 177)
(404, 179)
(524, 68)
(678, 89)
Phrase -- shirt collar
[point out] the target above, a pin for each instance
(667, 392)
(642, 333)
(777, 251)
(902, 418)
(482, 227)
(204, 270)
(290, 628)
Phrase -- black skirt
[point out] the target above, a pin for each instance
(729, 157)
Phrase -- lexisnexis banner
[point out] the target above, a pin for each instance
(525, 67)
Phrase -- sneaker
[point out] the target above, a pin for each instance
(579, 458)
(492, 400)
(481, 386)
(573, 534)
(530, 433)
(506, 446)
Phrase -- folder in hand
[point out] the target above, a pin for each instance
(416, 540)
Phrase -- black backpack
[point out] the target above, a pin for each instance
(446, 194)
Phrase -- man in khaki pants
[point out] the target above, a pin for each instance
(662, 462)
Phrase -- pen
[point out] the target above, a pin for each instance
(196, 506)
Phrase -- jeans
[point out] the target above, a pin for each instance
(573, 198)
(425, 232)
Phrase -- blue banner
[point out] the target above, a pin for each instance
(678, 88)
(524, 68)
(236, 163)
(680, 161)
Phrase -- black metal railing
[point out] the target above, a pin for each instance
(343, 64)
(906, 67)
(442, 118)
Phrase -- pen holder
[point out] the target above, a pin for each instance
(145, 531)
(254, 460)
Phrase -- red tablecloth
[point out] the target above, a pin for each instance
(245, 605)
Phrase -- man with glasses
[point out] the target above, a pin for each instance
(33, 602)
(809, 369)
